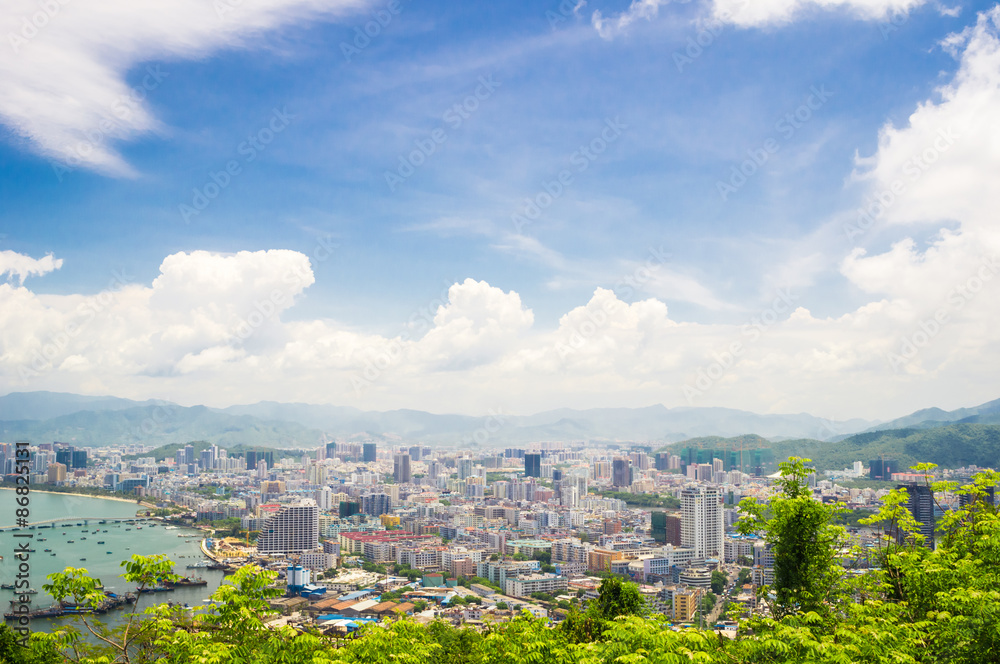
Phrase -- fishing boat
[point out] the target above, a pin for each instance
(82, 559)
(101, 542)
(110, 552)
(71, 541)
(48, 550)
(7, 586)
(29, 591)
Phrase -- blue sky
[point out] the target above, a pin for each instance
(685, 119)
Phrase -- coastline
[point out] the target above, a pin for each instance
(81, 495)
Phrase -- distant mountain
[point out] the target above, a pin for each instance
(987, 413)
(47, 405)
(108, 420)
(160, 425)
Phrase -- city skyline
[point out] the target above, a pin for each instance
(503, 209)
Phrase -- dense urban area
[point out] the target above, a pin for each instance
(366, 532)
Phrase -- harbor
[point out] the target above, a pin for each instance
(100, 545)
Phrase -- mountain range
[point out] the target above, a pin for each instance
(89, 420)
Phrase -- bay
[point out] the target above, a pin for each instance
(86, 551)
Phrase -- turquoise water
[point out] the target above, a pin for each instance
(122, 540)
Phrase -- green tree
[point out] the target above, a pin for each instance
(719, 581)
(803, 540)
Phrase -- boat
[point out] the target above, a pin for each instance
(29, 591)
(7, 586)
(52, 554)
(70, 541)
(186, 581)
(101, 542)
(110, 552)
(82, 538)
(48, 550)
(41, 539)
(82, 559)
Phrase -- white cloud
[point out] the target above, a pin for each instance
(758, 13)
(209, 328)
(607, 28)
(63, 66)
(18, 265)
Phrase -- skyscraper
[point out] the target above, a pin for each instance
(189, 454)
(401, 467)
(702, 521)
(921, 506)
(370, 452)
(621, 473)
(465, 466)
(292, 530)
(533, 465)
(376, 504)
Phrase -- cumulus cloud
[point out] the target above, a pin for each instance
(18, 265)
(939, 169)
(64, 66)
(213, 328)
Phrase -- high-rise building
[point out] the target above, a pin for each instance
(293, 529)
(533, 465)
(57, 472)
(324, 498)
(64, 456)
(79, 459)
(703, 521)
(348, 508)
(189, 454)
(251, 460)
(370, 452)
(666, 528)
(401, 467)
(376, 504)
(621, 472)
(921, 506)
(415, 453)
(882, 469)
(465, 466)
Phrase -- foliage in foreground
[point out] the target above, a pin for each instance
(913, 606)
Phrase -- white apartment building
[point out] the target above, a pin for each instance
(293, 529)
(703, 521)
(523, 586)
